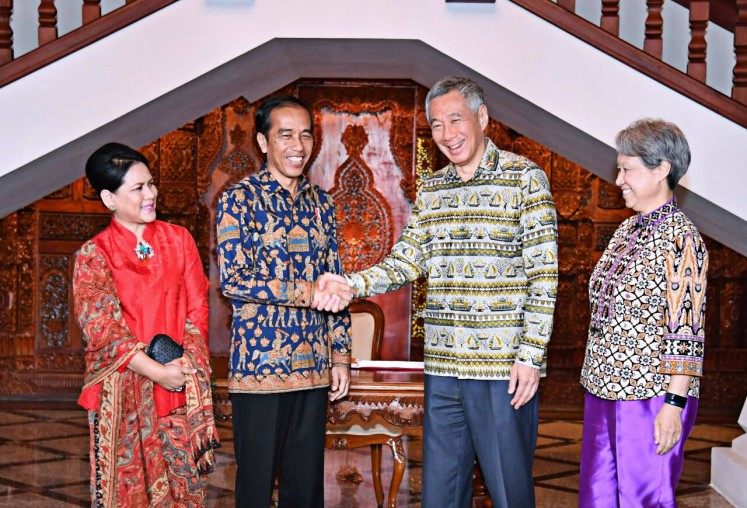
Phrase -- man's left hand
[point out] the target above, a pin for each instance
(340, 382)
(527, 379)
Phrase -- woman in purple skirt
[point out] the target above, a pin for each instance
(644, 354)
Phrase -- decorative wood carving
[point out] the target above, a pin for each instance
(602, 235)
(27, 249)
(347, 99)
(209, 144)
(399, 411)
(8, 300)
(610, 21)
(10, 382)
(47, 22)
(54, 286)
(89, 192)
(65, 193)
(609, 196)
(733, 316)
(696, 51)
(363, 214)
(9, 245)
(424, 166)
(70, 226)
(400, 143)
(63, 362)
(6, 32)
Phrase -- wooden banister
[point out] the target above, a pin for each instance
(734, 108)
(6, 32)
(54, 48)
(696, 51)
(91, 10)
(653, 44)
(739, 92)
(610, 18)
(47, 22)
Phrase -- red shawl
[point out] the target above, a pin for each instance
(120, 303)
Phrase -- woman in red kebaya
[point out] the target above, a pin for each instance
(152, 428)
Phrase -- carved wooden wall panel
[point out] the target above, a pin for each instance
(367, 130)
(372, 145)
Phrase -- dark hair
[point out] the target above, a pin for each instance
(262, 116)
(654, 141)
(107, 166)
(471, 91)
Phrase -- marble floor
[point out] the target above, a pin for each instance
(44, 462)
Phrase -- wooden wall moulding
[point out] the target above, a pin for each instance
(407, 411)
(63, 362)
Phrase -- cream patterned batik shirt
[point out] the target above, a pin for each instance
(489, 249)
(648, 296)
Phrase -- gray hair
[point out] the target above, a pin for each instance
(654, 141)
(471, 91)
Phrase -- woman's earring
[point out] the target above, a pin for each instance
(113, 208)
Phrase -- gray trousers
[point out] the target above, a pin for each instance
(464, 418)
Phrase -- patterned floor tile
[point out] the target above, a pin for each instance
(43, 462)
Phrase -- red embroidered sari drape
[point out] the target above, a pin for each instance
(149, 446)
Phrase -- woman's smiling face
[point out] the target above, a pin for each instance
(135, 201)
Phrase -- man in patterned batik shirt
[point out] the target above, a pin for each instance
(276, 242)
(483, 230)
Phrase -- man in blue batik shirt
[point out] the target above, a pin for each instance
(277, 247)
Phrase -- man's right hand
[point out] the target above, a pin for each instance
(331, 293)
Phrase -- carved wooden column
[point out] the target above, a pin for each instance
(47, 22)
(6, 32)
(91, 10)
(569, 5)
(739, 92)
(654, 28)
(696, 51)
(610, 19)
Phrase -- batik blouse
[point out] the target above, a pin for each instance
(647, 296)
(271, 248)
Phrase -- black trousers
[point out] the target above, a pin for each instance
(280, 433)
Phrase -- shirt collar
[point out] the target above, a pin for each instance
(270, 185)
(655, 217)
(489, 162)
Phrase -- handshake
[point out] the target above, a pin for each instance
(331, 293)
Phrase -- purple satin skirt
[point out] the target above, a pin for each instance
(619, 464)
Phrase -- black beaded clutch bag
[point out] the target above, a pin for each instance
(164, 349)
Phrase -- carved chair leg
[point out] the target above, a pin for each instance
(376, 473)
(398, 454)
